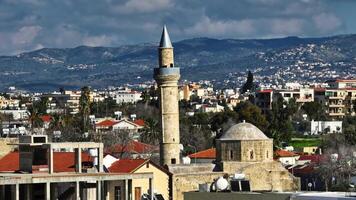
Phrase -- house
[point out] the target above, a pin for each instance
(128, 97)
(139, 186)
(286, 157)
(132, 127)
(326, 127)
(46, 119)
(205, 156)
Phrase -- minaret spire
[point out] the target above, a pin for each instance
(165, 40)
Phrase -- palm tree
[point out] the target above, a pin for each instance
(151, 133)
(34, 118)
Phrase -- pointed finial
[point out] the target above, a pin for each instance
(165, 40)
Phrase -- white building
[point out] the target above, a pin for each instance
(128, 97)
(318, 127)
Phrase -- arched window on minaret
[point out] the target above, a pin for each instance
(252, 156)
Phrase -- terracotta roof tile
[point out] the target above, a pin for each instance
(282, 153)
(106, 123)
(140, 122)
(126, 165)
(46, 118)
(63, 161)
(206, 154)
(131, 147)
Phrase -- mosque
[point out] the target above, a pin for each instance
(243, 149)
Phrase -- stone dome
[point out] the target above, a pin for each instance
(244, 131)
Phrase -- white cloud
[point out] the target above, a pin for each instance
(25, 35)
(326, 22)
(143, 6)
(101, 40)
(209, 27)
(286, 26)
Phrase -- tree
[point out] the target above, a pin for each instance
(34, 118)
(84, 108)
(249, 85)
(281, 127)
(315, 111)
(252, 114)
(151, 133)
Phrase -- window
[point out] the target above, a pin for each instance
(267, 154)
(251, 155)
(173, 161)
(117, 192)
(231, 154)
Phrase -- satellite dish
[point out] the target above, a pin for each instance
(221, 184)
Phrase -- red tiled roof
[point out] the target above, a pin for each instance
(126, 165)
(63, 161)
(46, 118)
(265, 91)
(282, 153)
(345, 80)
(140, 122)
(206, 154)
(106, 123)
(315, 158)
(132, 147)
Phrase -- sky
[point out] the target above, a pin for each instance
(27, 25)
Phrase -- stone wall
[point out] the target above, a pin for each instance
(165, 57)
(256, 150)
(190, 182)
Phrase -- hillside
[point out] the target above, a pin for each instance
(199, 58)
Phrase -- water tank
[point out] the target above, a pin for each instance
(186, 160)
(221, 184)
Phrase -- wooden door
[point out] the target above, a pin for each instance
(137, 193)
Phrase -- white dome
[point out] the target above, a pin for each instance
(244, 131)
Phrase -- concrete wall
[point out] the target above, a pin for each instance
(5, 148)
(160, 181)
(234, 196)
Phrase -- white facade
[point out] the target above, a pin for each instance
(288, 160)
(318, 127)
(128, 97)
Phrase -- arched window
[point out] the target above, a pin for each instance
(231, 154)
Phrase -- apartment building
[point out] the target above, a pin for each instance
(41, 170)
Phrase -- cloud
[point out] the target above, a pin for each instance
(209, 27)
(139, 6)
(326, 22)
(25, 35)
(101, 40)
(29, 24)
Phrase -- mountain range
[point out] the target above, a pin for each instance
(199, 59)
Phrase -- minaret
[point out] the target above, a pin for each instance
(167, 76)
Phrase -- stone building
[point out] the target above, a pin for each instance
(244, 142)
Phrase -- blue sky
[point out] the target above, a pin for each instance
(27, 25)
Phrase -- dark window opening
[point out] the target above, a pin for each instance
(251, 155)
(231, 155)
(173, 161)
